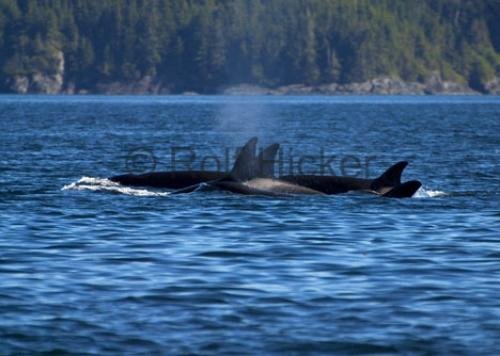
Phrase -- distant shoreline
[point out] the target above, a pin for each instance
(384, 85)
(187, 95)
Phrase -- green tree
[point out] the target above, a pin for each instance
(206, 44)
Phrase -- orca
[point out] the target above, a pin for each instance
(264, 186)
(167, 180)
(241, 180)
(246, 168)
(255, 176)
(251, 176)
(262, 166)
(388, 184)
(324, 185)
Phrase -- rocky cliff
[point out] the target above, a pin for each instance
(41, 82)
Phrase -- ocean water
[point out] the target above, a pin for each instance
(88, 266)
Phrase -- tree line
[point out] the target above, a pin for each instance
(202, 45)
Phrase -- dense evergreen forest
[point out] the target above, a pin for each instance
(204, 45)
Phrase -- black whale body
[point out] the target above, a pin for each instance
(382, 185)
(168, 180)
(247, 165)
(330, 184)
(339, 185)
(253, 176)
(388, 184)
(244, 179)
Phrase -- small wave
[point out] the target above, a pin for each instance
(428, 193)
(103, 184)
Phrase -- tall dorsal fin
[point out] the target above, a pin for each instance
(244, 165)
(266, 159)
(390, 178)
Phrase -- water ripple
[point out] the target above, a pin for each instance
(98, 268)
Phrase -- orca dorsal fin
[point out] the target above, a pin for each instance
(390, 178)
(265, 161)
(244, 165)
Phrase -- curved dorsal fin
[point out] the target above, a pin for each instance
(265, 161)
(390, 178)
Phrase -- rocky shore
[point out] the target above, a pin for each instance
(53, 83)
(377, 86)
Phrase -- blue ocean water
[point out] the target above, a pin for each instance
(87, 266)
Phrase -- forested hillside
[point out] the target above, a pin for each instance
(205, 45)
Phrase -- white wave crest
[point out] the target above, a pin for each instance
(103, 184)
(428, 193)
